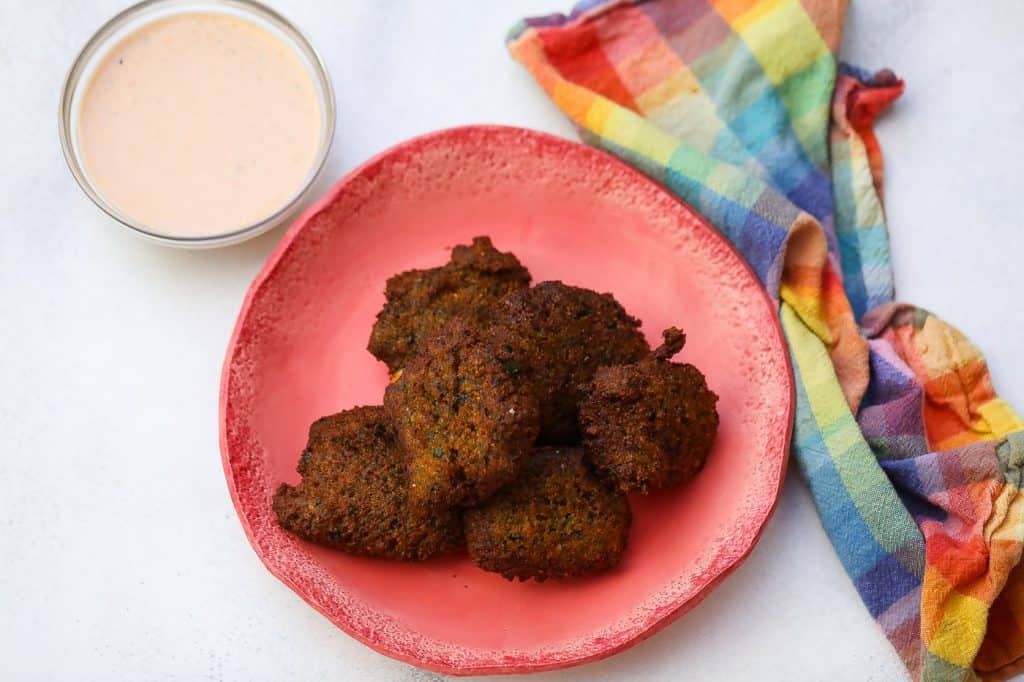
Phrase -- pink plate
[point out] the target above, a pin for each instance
(571, 213)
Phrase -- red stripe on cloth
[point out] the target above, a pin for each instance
(576, 52)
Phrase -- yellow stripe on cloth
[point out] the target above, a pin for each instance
(952, 624)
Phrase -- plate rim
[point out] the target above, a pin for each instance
(383, 643)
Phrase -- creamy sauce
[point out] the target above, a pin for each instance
(199, 124)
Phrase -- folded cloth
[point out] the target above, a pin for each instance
(740, 108)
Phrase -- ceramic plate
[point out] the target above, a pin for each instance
(569, 212)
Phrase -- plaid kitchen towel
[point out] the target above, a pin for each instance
(914, 463)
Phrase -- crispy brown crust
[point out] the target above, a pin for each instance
(420, 302)
(353, 493)
(649, 424)
(555, 521)
(465, 423)
(557, 336)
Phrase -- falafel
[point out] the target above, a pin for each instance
(420, 302)
(649, 424)
(353, 493)
(465, 424)
(555, 521)
(556, 336)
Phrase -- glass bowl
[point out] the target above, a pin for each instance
(133, 18)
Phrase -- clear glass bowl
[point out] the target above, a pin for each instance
(136, 16)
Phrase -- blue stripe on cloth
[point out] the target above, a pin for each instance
(907, 480)
(885, 584)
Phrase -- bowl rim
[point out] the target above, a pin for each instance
(381, 641)
(296, 41)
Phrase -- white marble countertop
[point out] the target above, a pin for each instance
(120, 554)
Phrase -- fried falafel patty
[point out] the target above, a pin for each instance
(353, 493)
(650, 424)
(557, 336)
(420, 302)
(465, 424)
(555, 521)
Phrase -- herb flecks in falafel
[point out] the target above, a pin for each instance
(555, 521)
(466, 424)
(420, 302)
(649, 424)
(556, 336)
(353, 493)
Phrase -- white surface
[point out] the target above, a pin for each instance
(120, 554)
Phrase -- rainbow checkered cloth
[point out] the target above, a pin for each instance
(914, 463)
